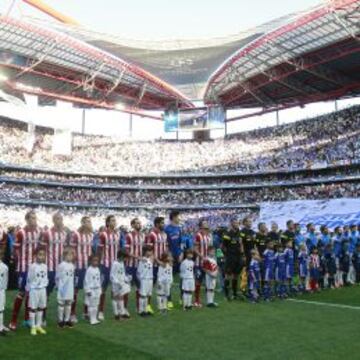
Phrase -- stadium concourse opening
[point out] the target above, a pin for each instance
(159, 196)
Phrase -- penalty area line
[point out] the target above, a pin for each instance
(318, 303)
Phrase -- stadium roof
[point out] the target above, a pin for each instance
(185, 64)
(299, 58)
(46, 62)
(314, 58)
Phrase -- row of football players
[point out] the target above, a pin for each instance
(320, 267)
(37, 282)
(54, 241)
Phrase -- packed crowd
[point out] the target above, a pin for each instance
(183, 180)
(266, 262)
(325, 140)
(98, 197)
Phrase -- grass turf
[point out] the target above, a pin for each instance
(236, 330)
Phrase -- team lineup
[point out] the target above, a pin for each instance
(268, 264)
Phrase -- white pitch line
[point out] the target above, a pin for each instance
(325, 304)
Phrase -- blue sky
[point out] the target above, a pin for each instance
(154, 19)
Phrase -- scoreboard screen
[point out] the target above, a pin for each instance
(207, 118)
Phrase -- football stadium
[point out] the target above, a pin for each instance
(179, 180)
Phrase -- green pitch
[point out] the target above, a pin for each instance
(237, 330)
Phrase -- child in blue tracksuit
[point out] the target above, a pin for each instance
(329, 265)
(280, 272)
(254, 277)
(345, 260)
(356, 263)
(268, 266)
(289, 258)
(303, 259)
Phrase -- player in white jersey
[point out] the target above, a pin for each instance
(187, 278)
(4, 277)
(36, 284)
(92, 288)
(164, 281)
(120, 284)
(65, 283)
(146, 277)
(211, 272)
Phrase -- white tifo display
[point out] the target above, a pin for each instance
(333, 212)
(62, 142)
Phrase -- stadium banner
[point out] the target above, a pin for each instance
(62, 142)
(332, 212)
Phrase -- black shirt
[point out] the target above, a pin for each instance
(261, 241)
(286, 236)
(248, 239)
(231, 241)
(275, 237)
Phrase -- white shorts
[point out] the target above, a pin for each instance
(163, 288)
(121, 290)
(210, 282)
(94, 299)
(146, 287)
(66, 294)
(37, 299)
(2, 300)
(188, 284)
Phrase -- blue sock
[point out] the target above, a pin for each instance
(266, 292)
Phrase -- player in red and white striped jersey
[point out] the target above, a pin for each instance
(82, 242)
(202, 241)
(54, 240)
(157, 239)
(134, 242)
(108, 248)
(26, 241)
